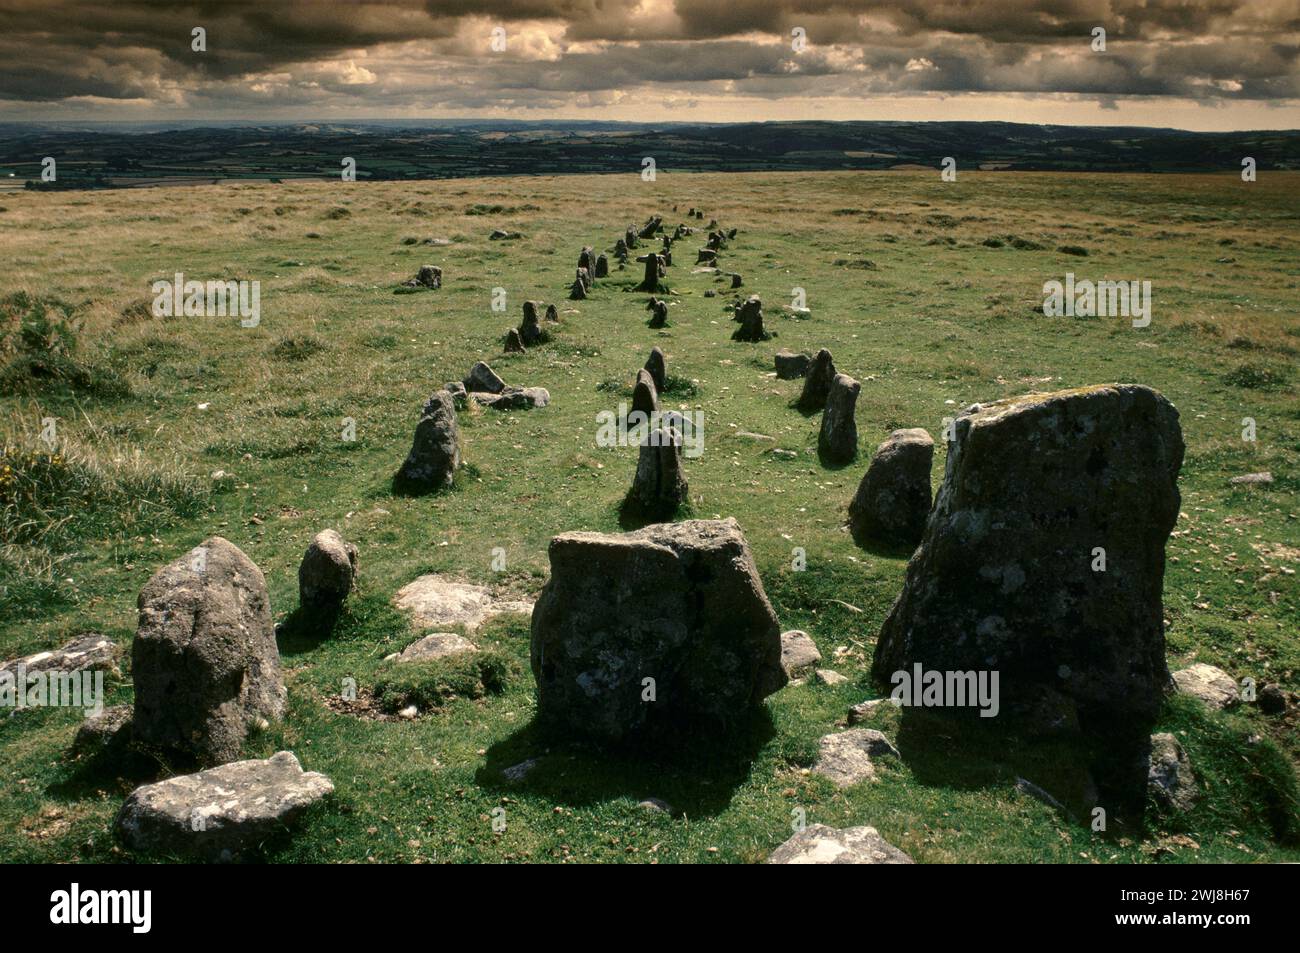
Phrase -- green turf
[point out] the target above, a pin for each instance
(923, 309)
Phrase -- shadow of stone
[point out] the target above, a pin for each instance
(305, 628)
(884, 548)
(958, 750)
(695, 770)
(829, 464)
(634, 515)
(118, 767)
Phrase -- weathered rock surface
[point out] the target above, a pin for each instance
(645, 396)
(530, 328)
(658, 369)
(659, 486)
(107, 731)
(750, 315)
(658, 313)
(514, 342)
(1170, 778)
(438, 603)
(90, 652)
(1003, 577)
(435, 451)
(328, 571)
(817, 383)
(799, 653)
(893, 499)
(791, 366)
(435, 645)
(514, 398)
(204, 660)
(483, 379)
(845, 757)
(222, 811)
(837, 441)
(863, 710)
(820, 844)
(429, 276)
(679, 603)
(654, 270)
(1215, 687)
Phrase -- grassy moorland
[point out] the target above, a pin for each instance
(925, 291)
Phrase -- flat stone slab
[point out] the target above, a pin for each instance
(90, 652)
(220, 811)
(436, 645)
(864, 710)
(820, 844)
(1215, 687)
(438, 603)
(799, 653)
(845, 757)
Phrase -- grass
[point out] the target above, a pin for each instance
(941, 320)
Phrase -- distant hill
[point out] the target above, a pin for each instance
(91, 155)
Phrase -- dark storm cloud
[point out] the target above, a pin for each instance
(435, 54)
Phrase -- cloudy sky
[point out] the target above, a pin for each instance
(1195, 64)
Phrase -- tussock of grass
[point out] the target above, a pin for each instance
(432, 684)
(1256, 377)
(40, 350)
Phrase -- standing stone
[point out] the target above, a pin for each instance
(602, 266)
(483, 379)
(552, 314)
(620, 249)
(514, 342)
(217, 813)
(429, 276)
(584, 276)
(817, 385)
(651, 226)
(204, 659)
(659, 486)
(1004, 578)
(578, 291)
(820, 844)
(790, 366)
(838, 440)
(435, 451)
(530, 329)
(645, 396)
(658, 368)
(587, 260)
(659, 313)
(654, 269)
(328, 571)
(750, 315)
(679, 603)
(736, 281)
(707, 257)
(893, 499)
(630, 237)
